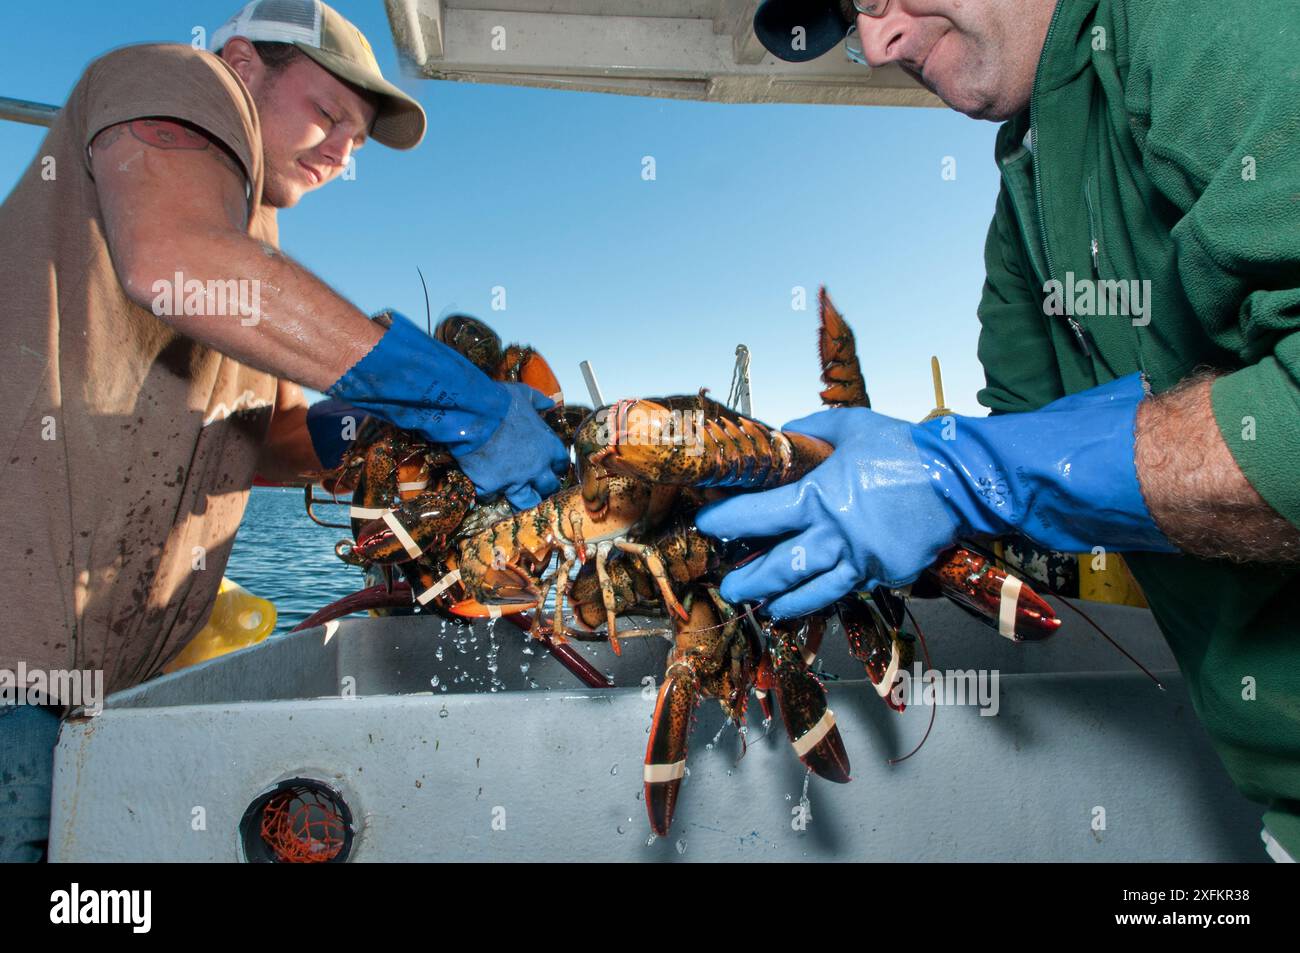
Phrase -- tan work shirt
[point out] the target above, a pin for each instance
(129, 449)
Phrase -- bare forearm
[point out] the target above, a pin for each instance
(287, 452)
(1196, 492)
(174, 205)
(299, 329)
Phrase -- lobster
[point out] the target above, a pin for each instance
(650, 440)
(411, 502)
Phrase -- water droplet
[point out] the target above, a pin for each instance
(681, 846)
(650, 840)
(619, 828)
(614, 770)
(438, 653)
(444, 713)
(435, 681)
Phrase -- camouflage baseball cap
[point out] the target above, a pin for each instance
(325, 35)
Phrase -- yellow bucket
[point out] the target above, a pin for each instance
(239, 619)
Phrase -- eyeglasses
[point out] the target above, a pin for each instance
(853, 42)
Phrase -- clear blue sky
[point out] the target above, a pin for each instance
(541, 192)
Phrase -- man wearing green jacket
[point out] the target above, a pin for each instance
(1140, 339)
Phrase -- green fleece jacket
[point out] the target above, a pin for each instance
(1157, 174)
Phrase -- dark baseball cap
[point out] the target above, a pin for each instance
(825, 23)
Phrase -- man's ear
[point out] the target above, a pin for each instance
(243, 59)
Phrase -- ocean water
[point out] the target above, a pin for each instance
(281, 555)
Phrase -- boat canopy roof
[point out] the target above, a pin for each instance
(678, 49)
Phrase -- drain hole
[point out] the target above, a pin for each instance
(301, 821)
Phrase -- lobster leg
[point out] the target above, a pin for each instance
(562, 583)
(607, 595)
(809, 723)
(654, 562)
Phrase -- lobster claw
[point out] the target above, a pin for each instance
(876, 643)
(665, 753)
(809, 723)
(473, 609)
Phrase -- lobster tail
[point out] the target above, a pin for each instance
(841, 372)
(649, 440)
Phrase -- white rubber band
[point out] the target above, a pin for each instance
(494, 611)
(438, 588)
(659, 773)
(403, 537)
(810, 738)
(408, 487)
(557, 396)
(1007, 609)
(760, 693)
(891, 672)
(365, 513)
(808, 657)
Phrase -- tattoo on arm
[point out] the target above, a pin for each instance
(170, 134)
(109, 136)
(1194, 488)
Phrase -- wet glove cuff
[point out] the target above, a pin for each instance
(1065, 475)
(419, 384)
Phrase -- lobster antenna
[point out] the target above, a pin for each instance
(929, 667)
(428, 313)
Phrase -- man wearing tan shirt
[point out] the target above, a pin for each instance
(161, 338)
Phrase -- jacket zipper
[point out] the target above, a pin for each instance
(1080, 335)
(1094, 248)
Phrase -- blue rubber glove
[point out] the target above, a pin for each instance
(894, 495)
(492, 429)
